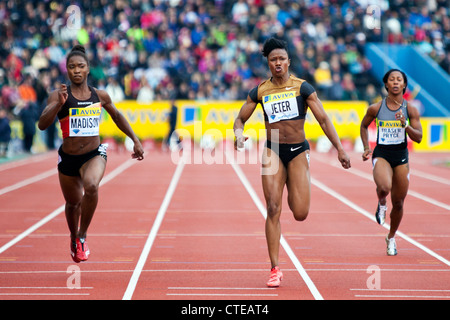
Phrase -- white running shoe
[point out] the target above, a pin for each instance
(380, 215)
(391, 246)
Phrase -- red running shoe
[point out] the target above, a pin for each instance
(275, 277)
(79, 250)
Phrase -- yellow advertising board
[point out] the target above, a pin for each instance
(198, 118)
(435, 135)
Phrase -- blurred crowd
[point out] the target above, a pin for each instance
(205, 49)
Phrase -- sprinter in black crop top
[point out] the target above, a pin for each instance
(81, 158)
(285, 100)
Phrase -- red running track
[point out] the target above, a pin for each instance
(192, 230)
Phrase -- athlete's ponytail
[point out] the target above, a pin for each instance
(78, 50)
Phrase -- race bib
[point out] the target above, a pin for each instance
(390, 132)
(280, 106)
(85, 122)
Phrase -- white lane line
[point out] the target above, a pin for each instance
(44, 294)
(430, 176)
(398, 296)
(223, 294)
(25, 161)
(371, 216)
(403, 270)
(56, 212)
(216, 288)
(369, 177)
(398, 290)
(28, 181)
(283, 242)
(39, 288)
(154, 231)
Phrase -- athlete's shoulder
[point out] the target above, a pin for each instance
(296, 80)
(374, 108)
(257, 92)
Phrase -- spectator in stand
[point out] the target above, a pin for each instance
(180, 38)
(114, 90)
(145, 94)
(5, 133)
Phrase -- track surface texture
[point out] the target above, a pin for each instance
(173, 229)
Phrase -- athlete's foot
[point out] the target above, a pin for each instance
(380, 215)
(275, 277)
(391, 246)
(73, 251)
(81, 250)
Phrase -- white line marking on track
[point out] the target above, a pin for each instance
(46, 288)
(408, 290)
(371, 216)
(430, 176)
(21, 162)
(56, 212)
(28, 181)
(283, 242)
(224, 294)
(369, 177)
(217, 288)
(403, 297)
(44, 294)
(154, 231)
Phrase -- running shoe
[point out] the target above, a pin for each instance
(275, 277)
(73, 251)
(380, 215)
(391, 246)
(79, 250)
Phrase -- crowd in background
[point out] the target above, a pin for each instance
(205, 49)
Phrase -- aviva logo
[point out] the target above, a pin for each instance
(85, 112)
(389, 124)
(191, 114)
(279, 96)
(438, 134)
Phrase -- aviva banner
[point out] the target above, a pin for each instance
(151, 120)
(435, 135)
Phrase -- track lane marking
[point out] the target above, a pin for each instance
(28, 181)
(310, 284)
(369, 177)
(60, 209)
(371, 216)
(153, 232)
(21, 162)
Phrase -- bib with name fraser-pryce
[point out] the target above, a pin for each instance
(280, 106)
(85, 122)
(390, 132)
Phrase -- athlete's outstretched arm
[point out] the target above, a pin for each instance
(121, 123)
(328, 128)
(245, 113)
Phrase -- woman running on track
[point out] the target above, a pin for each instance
(285, 100)
(390, 156)
(82, 159)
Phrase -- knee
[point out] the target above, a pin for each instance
(90, 189)
(72, 206)
(273, 209)
(300, 214)
(397, 204)
(383, 190)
